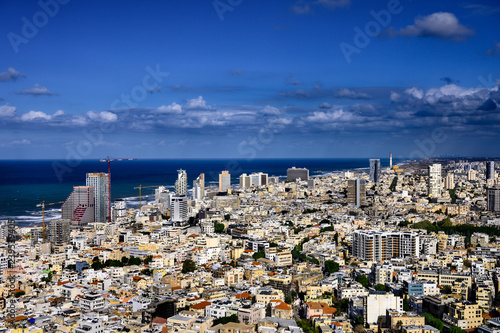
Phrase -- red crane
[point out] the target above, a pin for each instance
(109, 179)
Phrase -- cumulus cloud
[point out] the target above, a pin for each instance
(32, 115)
(271, 110)
(197, 104)
(172, 108)
(37, 90)
(10, 75)
(7, 110)
(103, 116)
(441, 25)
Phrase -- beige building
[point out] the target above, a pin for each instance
(464, 314)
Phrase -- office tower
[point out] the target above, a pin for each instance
(273, 180)
(449, 182)
(80, 206)
(178, 210)
(434, 182)
(119, 209)
(199, 187)
(224, 181)
(375, 170)
(59, 231)
(294, 173)
(493, 195)
(181, 182)
(99, 181)
(161, 195)
(245, 181)
(263, 179)
(356, 192)
(471, 175)
(390, 160)
(490, 170)
(375, 245)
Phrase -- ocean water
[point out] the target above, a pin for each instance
(25, 183)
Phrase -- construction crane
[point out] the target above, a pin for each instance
(109, 160)
(140, 187)
(43, 204)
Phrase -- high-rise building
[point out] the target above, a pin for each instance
(245, 181)
(181, 183)
(434, 181)
(59, 231)
(199, 187)
(119, 209)
(490, 170)
(390, 160)
(374, 245)
(356, 192)
(99, 181)
(292, 174)
(471, 175)
(224, 181)
(178, 210)
(449, 182)
(493, 194)
(79, 207)
(375, 170)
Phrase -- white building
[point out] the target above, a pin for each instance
(100, 182)
(89, 325)
(224, 181)
(178, 209)
(199, 188)
(377, 303)
(91, 303)
(434, 182)
(181, 182)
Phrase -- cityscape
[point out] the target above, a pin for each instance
(235, 166)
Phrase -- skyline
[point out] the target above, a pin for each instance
(248, 80)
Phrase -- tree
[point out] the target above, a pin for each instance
(380, 287)
(224, 320)
(219, 227)
(433, 321)
(273, 244)
(22, 292)
(227, 217)
(331, 266)
(359, 320)
(446, 290)
(406, 305)
(258, 255)
(188, 266)
(456, 329)
(288, 300)
(363, 280)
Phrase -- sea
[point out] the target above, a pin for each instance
(26, 183)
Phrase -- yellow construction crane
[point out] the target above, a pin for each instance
(43, 204)
(140, 187)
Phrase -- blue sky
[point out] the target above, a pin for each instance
(249, 79)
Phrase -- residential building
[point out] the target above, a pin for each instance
(224, 181)
(375, 170)
(293, 173)
(100, 182)
(181, 183)
(356, 192)
(434, 181)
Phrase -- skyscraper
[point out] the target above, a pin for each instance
(199, 187)
(178, 212)
(390, 160)
(99, 181)
(245, 181)
(434, 182)
(181, 183)
(493, 194)
(59, 231)
(294, 173)
(375, 170)
(449, 182)
(79, 207)
(224, 181)
(356, 192)
(490, 170)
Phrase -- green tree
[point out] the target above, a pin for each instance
(288, 300)
(227, 217)
(433, 321)
(273, 244)
(224, 320)
(406, 305)
(188, 266)
(219, 227)
(331, 266)
(456, 329)
(380, 287)
(363, 280)
(19, 294)
(258, 255)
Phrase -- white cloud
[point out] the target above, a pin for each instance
(394, 97)
(104, 116)
(21, 142)
(415, 92)
(197, 104)
(10, 75)
(7, 110)
(344, 92)
(172, 108)
(442, 25)
(271, 110)
(37, 90)
(32, 115)
(328, 117)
